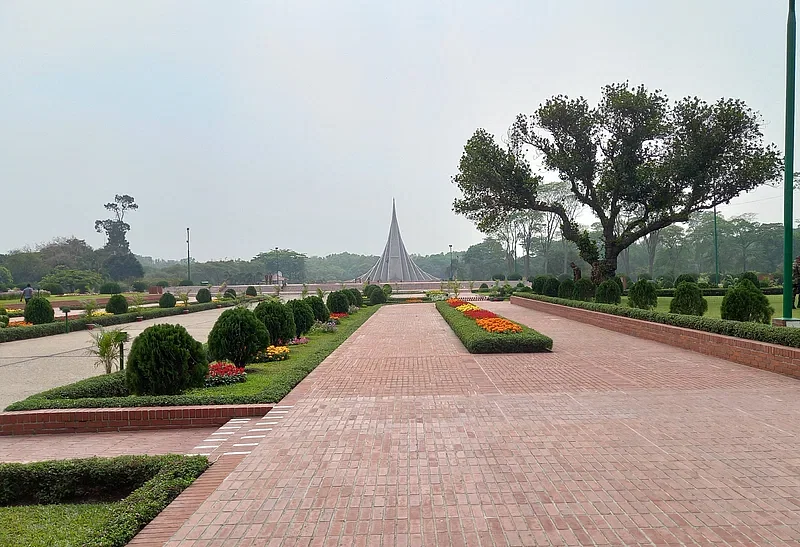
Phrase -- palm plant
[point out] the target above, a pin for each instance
(89, 307)
(106, 347)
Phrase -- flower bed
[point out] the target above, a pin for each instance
(490, 333)
(222, 373)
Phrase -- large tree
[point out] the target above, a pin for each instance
(634, 155)
(116, 228)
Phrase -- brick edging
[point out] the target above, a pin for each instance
(93, 420)
(772, 357)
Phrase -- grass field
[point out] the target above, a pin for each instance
(60, 525)
(715, 302)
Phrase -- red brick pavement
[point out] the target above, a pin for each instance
(402, 438)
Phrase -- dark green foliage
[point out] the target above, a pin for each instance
(359, 300)
(584, 290)
(688, 300)
(338, 302)
(685, 278)
(111, 287)
(303, 315)
(321, 312)
(167, 300)
(643, 295)
(618, 280)
(608, 292)
(139, 286)
(477, 340)
(52, 288)
(514, 277)
(162, 283)
(538, 284)
(186, 283)
(278, 319)
(203, 296)
(498, 277)
(377, 297)
(566, 288)
(750, 276)
(351, 299)
(104, 385)
(484, 286)
(117, 304)
(229, 293)
(237, 336)
(387, 289)
(250, 291)
(551, 286)
(368, 290)
(644, 276)
(745, 302)
(165, 360)
(39, 311)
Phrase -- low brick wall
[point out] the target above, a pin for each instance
(771, 357)
(92, 420)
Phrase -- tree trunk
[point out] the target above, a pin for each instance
(546, 261)
(527, 264)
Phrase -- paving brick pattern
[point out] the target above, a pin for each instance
(402, 438)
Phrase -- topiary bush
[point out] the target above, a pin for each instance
(746, 302)
(186, 283)
(377, 297)
(278, 319)
(359, 300)
(162, 283)
(618, 280)
(368, 290)
(688, 300)
(39, 311)
(110, 288)
(203, 296)
(685, 278)
(167, 300)
(117, 304)
(339, 303)
(321, 312)
(139, 286)
(237, 336)
(608, 292)
(303, 315)
(387, 289)
(750, 276)
(566, 289)
(52, 288)
(498, 277)
(349, 295)
(514, 277)
(643, 295)
(250, 291)
(483, 286)
(165, 360)
(538, 284)
(584, 290)
(229, 293)
(551, 286)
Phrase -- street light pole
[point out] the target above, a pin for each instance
(788, 180)
(188, 258)
(451, 263)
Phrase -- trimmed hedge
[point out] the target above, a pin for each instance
(759, 332)
(769, 291)
(111, 287)
(338, 302)
(279, 320)
(165, 360)
(117, 305)
(319, 308)
(477, 340)
(38, 311)
(237, 336)
(608, 292)
(303, 315)
(167, 300)
(203, 296)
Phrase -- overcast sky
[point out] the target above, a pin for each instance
(294, 124)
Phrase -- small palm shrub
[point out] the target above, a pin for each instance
(203, 296)
(746, 302)
(377, 297)
(237, 336)
(688, 300)
(106, 347)
(165, 360)
(278, 319)
(387, 289)
(359, 300)
(39, 311)
(685, 278)
(117, 304)
(250, 291)
(167, 300)
(608, 292)
(566, 289)
(643, 295)
(321, 312)
(303, 315)
(538, 284)
(584, 290)
(229, 293)
(551, 286)
(338, 302)
(110, 288)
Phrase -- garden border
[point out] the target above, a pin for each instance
(762, 355)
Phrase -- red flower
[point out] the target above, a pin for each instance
(480, 314)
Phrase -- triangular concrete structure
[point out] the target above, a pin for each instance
(395, 264)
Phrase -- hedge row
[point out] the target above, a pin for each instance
(147, 483)
(669, 293)
(750, 331)
(477, 340)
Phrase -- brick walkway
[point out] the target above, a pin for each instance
(402, 438)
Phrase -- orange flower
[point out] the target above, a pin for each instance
(455, 302)
(498, 325)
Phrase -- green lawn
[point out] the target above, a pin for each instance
(78, 297)
(64, 525)
(715, 302)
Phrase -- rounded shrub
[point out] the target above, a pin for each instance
(359, 300)
(566, 288)
(110, 288)
(643, 295)
(377, 297)
(498, 277)
(483, 286)
(746, 302)
(167, 300)
(368, 290)
(162, 283)
(303, 315)
(250, 291)
(278, 319)
(139, 286)
(514, 277)
(52, 288)
(186, 283)
(165, 360)
(644, 276)
(339, 303)
(685, 278)
(688, 300)
(203, 296)
(538, 284)
(608, 292)
(618, 280)
(117, 304)
(387, 289)
(39, 311)
(551, 286)
(229, 293)
(3, 320)
(750, 276)
(584, 290)
(350, 298)
(319, 308)
(237, 336)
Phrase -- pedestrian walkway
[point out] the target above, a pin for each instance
(402, 438)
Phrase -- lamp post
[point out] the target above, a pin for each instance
(451, 263)
(788, 179)
(188, 258)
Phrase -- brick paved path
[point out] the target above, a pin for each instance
(402, 438)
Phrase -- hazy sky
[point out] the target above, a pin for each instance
(294, 124)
